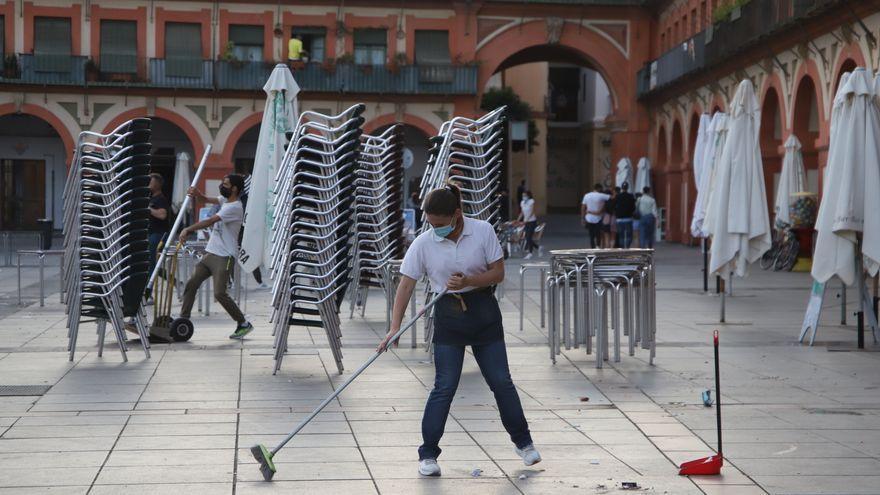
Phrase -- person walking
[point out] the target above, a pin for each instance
(462, 255)
(609, 223)
(592, 209)
(527, 216)
(647, 208)
(220, 253)
(160, 209)
(624, 209)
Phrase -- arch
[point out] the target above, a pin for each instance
(192, 134)
(717, 103)
(693, 130)
(602, 55)
(847, 65)
(807, 69)
(237, 132)
(849, 57)
(662, 158)
(390, 118)
(806, 113)
(676, 147)
(771, 122)
(50, 118)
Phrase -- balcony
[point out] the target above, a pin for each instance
(748, 26)
(221, 75)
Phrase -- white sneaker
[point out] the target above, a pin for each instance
(529, 455)
(429, 467)
(528, 256)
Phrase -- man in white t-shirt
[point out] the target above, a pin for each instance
(527, 216)
(220, 253)
(592, 208)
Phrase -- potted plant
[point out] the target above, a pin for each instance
(397, 62)
(329, 65)
(10, 67)
(92, 70)
(345, 59)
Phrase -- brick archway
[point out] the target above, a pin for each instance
(242, 127)
(389, 118)
(41, 113)
(602, 55)
(191, 133)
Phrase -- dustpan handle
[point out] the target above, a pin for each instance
(717, 391)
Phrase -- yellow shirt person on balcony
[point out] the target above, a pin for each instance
(295, 52)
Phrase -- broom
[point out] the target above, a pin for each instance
(713, 463)
(265, 457)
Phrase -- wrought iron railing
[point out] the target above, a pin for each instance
(744, 29)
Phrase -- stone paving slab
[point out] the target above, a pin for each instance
(798, 419)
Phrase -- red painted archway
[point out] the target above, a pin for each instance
(66, 138)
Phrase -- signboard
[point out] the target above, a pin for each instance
(519, 131)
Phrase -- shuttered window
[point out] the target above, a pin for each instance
(247, 42)
(370, 46)
(183, 49)
(118, 46)
(432, 47)
(52, 44)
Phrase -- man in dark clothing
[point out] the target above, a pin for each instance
(624, 208)
(160, 212)
(520, 190)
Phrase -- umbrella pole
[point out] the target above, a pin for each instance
(705, 265)
(860, 289)
(723, 293)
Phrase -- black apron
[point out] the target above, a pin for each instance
(469, 318)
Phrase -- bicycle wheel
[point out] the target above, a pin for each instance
(787, 256)
(768, 260)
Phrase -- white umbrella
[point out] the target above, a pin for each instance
(624, 172)
(182, 180)
(850, 202)
(643, 174)
(279, 116)
(740, 227)
(711, 156)
(699, 147)
(791, 180)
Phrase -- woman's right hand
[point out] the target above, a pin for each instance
(383, 346)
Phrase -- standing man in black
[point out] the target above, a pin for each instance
(624, 208)
(160, 213)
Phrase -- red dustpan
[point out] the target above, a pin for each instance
(713, 463)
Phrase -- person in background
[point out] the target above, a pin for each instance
(504, 205)
(416, 205)
(520, 189)
(295, 53)
(160, 213)
(220, 253)
(609, 223)
(624, 208)
(592, 207)
(527, 215)
(647, 207)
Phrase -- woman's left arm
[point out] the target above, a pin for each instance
(493, 276)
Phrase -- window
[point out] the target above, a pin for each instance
(370, 46)
(693, 22)
(247, 42)
(52, 44)
(432, 48)
(2, 36)
(704, 14)
(313, 39)
(118, 46)
(183, 49)
(662, 41)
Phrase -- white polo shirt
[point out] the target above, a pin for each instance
(224, 234)
(439, 258)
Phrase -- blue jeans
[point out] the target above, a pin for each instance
(154, 239)
(492, 359)
(625, 232)
(646, 231)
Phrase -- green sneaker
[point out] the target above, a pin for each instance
(242, 330)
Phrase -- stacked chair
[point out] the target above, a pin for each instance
(469, 153)
(312, 232)
(106, 218)
(378, 211)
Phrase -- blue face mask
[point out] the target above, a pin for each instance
(443, 232)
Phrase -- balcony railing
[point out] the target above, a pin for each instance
(747, 27)
(242, 76)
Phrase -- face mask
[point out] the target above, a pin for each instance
(225, 191)
(443, 232)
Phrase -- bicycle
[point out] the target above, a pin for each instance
(783, 253)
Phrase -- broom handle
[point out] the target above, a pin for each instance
(358, 372)
(717, 393)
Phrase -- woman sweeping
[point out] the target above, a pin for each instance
(463, 255)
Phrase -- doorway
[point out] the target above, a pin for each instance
(23, 189)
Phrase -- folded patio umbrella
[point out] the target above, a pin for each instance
(850, 202)
(700, 146)
(279, 117)
(716, 136)
(791, 180)
(740, 227)
(624, 172)
(643, 174)
(182, 173)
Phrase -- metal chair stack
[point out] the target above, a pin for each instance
(378, 211)
(106, 219)
(469, 153)
(593, 288)
(314, 225)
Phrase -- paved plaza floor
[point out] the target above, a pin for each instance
(798, 419)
